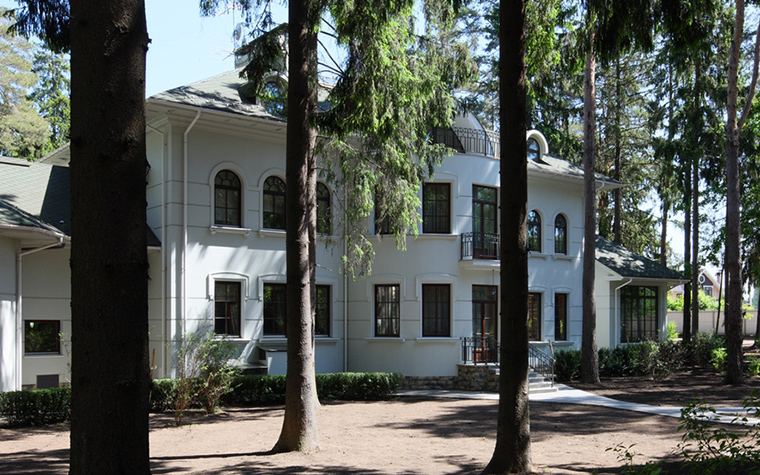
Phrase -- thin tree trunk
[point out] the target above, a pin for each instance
(617, 193)
(664, 233)
(299, 427)
(695, 270)
(687, 254)
(512, 451)
(589, 356)
(734, 373)
(109, 262)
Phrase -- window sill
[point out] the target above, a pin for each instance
(539, 255)
(229, 230)
(562, 257)
(396, 339)
(436, 339)
(42, 355)
(325, 340)
(278, 233)
(438, 236)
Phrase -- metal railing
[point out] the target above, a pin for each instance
(541, 363)
(465, 140)
(480, 246)
(483, 350)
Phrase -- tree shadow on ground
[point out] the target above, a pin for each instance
(12, 433)
(161, 420)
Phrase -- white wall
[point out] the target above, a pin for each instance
(8, 346)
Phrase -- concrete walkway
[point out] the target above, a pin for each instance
(567, 395)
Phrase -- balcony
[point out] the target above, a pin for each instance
(472, 141)
(480, 246)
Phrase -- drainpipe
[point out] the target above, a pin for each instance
(164, 332)
(617, 300)
(19, 316)
(184, 219)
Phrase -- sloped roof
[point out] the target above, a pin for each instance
(220, 93)
(629, 264)
(557, 166)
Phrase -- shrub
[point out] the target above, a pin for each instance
(357, 386)
(753, 366)
(249, 390)
(718, 359)
(162, 394)
(36, 407)
(701, 346)
(567, 364)
(672, 333)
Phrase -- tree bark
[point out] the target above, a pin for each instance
(589, 355)
(299, 427)
(695, 268)
(109, 265)
(512, 452)
(734, 373)
(617, 225)
(687, 254)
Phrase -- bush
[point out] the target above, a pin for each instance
(700, 348)
(162, 394)
(567, 364)
(250, 390)
(36, 407)
(357, 386)
(753, 366)
(672, 333)
(718, 359)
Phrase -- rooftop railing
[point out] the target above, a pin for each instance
(472, 141)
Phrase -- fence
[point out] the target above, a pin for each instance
(708, 319)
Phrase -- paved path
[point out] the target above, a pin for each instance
(567, 395)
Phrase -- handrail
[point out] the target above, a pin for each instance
(465, 140)
(541, 363)
(480, 246)
(478, 349)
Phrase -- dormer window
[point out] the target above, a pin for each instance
(534, 150)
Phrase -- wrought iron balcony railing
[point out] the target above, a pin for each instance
(480, 246)
(472, 141)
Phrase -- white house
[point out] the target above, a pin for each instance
(217, 252)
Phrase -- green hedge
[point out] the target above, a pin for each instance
(36, 407)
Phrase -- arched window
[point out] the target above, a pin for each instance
(534, 151)
(274, 203)
(227, 200)
(324, 211)
(560, 234)
(534, 231)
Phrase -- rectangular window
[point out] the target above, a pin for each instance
(41, 336)
(638, 314)
(387, 310)
(382, 223)
(534, 316)
(275, 307)
(436, 208)
(436, 310)
(227, 308)
(560, 316)
(322, 317)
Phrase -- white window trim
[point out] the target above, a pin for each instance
(279, 173)
(443, 279)
(244, 290)
(243, 229)
(453, 181)
(385, 279)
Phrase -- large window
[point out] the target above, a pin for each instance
(274, 203)
(387, 310)
(322, 317)
(560, 316)
(227, 308)
(638, 313)
(560, 234)
(324, 211)
(436, 208)
(534, 316)
(227, 198)
(484, 237)
(41, 336)
(275, 306)
(534, 231)
(436, 310)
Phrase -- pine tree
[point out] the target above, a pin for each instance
(51, 96)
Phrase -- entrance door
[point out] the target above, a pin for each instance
(485, 306)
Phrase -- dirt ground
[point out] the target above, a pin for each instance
(401, 436)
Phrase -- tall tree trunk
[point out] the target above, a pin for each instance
(664, 232)
(589, 356)
(299, 427)
(109, 262)
(695, 269)
(734, 373)
(512, 452)
(617, 193)
(687, 254)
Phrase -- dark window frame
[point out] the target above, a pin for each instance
(534, 231)
(639, 313)
(534, 316)
(322, 311)
(387, 310)
(436, 310)
(274, 198)
(560, 234)
(533, 150)
(228, 307)
(228, 199)
(560, 316)
(51, 347)
(436, 211)
(324, 210)
(275, 310)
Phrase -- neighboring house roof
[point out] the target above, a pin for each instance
(37, 195)
(220, 93)
(627, 263)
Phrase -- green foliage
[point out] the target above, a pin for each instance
(706, 302)
(567, 364)
(700, 348)
(51, 96)
(753, 366)
(357, 386)
(672, 333)
(710, 449)
(251, 390)
(718, 359)
(163, 393)
(36, 407)
(626, 456)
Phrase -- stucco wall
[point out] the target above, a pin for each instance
(8, 346)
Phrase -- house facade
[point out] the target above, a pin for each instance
(217, 256)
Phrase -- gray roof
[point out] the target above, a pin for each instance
(629, 264)
(558, 166)
(35, 194)
(220, 93)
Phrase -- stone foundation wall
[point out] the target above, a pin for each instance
(429, 382)
(477, 378)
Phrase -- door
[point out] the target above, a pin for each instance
(484, 237)
(485, 323)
